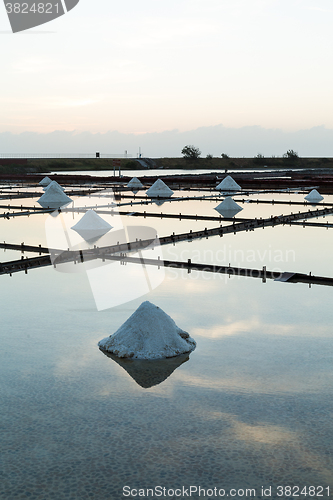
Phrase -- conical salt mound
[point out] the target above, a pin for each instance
(228, 207)
(148, 334)
(54, 198)
(149, 372)
(135, 183)
(45, 182)
(55, 184)
(228, 184)
(314, 196)
(91, 226)
(159, 189)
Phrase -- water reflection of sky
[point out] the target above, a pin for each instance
(251, 407)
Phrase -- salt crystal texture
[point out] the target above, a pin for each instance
(149, 333)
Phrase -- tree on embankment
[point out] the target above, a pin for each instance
(191, 152)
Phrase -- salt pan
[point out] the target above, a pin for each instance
(149, 333)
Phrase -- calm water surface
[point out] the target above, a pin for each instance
(157, 171)
(250, 408)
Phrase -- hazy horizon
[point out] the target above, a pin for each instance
(178, 70)
(236, 142)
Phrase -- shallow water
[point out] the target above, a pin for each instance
(251, 408)
(156, 171)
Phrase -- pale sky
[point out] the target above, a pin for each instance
(154, 66)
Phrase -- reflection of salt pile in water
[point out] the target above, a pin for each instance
(159, 190)
(228, 207)
(314, 196)
(54, 197)
(91, 226)
(149, 372)
(135, 183)
(228, 184)
(158, 202)
(55, 184)
(149, 333)
(45, 182)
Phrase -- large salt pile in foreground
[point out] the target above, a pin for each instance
(159, 189)
(228, 184)
(134, 183)
(91, 226)
(149, 333)
(54, 198)
(314, 196)
(45, 182)
(228, 207)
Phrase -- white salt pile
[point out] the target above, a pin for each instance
(135, 183)
(159, 189)
(149, 333)
(54, 198)
(91, 226)
(45, 182)
(228, 207)
(55, 184)
(314, 196)
(228, 184)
